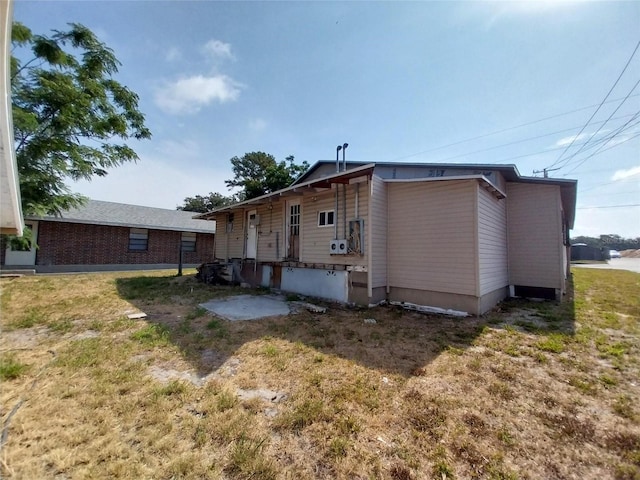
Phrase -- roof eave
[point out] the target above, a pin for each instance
(292, 190)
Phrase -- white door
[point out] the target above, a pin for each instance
(252, 234)
(293, 229)
(23, 257)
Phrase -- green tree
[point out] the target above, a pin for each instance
(70, 116)
(206, 203)
(258, 173)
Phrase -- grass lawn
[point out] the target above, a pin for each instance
(532, 390)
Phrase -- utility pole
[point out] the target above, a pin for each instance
(545, 171)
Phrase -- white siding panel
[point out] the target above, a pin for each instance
(315, 239)
(432, 236)
(492, 242)
(378, 240)
(534, 235)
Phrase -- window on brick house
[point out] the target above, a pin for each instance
(188, 242)
(138, 239)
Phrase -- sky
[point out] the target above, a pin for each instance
(538, 85)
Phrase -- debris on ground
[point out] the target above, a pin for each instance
(136, 316)
(370, 320)
(309, 306)
(215, 273)
(426, 309)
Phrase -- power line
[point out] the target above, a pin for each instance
(611, 137)
(604, 123)
(599, 106)
(515, 142)
(506, 129)
(610, 206)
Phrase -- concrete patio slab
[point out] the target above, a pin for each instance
(247, 307)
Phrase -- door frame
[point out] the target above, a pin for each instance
(251, 244)
(287, 223)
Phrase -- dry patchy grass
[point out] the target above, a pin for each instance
(532, 390)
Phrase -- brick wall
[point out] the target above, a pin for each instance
(80, 244)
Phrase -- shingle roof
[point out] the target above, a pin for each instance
(97, 212)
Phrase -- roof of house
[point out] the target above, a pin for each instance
(343, 177)
(96, 212)
(509, 171)
(568, 187)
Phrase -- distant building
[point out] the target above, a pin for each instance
(114, 236)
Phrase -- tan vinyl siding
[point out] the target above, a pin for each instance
(534, 235)
(378, 239)
(234, 240)
(492, 242)
(432, 236)
(315, 240)
(270, 232)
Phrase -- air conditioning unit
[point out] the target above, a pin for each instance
(338, 247)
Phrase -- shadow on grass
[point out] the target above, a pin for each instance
(399, 342)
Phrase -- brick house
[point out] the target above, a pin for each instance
(114, 236)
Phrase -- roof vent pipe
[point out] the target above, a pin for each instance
(338, 148)
(344, 162)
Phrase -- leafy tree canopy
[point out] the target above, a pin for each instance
(70, 116)
(258, 173)
(206, 203)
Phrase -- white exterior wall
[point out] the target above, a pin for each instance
(492, 242)
(378, 233)
(535, 235)
(432, 236)
(315, 239)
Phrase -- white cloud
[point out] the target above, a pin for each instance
(563, 142)
(218, 50)
(257, 124)
(190, 94)
(623, 174)
(173, 54)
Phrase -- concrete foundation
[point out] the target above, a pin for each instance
(329, 284)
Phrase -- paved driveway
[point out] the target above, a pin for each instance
(631, 264)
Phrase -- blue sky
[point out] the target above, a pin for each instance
(417, 82)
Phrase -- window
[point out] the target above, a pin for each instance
(325, 219)
(188, 242)
(138, 239)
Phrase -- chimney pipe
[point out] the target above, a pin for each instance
(344, 162)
